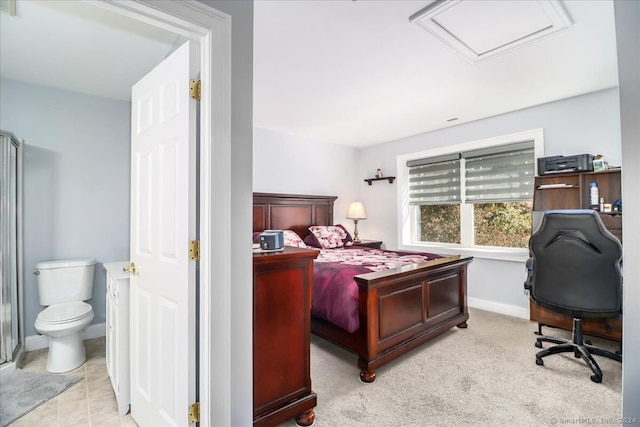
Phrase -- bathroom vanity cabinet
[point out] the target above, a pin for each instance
(117, 342)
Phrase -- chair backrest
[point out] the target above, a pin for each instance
(576, 265)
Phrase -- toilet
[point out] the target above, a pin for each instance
(63, 286)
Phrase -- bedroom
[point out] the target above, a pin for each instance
(352, 165)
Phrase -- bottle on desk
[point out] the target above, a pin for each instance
(594, 196)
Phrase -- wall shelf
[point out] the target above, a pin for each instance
(384, 178)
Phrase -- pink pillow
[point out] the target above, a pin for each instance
(291, 238)
(331, 236)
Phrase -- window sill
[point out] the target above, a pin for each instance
(515, 255)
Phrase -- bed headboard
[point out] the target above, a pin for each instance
(295, 212)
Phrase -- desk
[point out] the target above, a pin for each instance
(571, 191)
(603, 328)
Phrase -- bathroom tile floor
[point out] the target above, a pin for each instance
(89, 402)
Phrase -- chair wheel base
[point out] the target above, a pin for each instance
(580, 349)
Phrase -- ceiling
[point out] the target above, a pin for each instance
(349, 72)
(76, 46)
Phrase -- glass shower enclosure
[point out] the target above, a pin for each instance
(11, 316)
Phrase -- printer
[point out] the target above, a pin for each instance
(565, 164)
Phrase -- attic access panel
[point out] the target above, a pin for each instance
(479, 30)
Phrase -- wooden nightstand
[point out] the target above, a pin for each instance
(373, 244)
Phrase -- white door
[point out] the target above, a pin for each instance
(163, 176)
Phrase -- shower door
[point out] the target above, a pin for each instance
(11, 333)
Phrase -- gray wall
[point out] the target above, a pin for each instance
(285, 164)
(583, 124)
(76, 181)
(627, 15)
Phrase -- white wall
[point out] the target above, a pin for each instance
(236, 400)
(627, 16)
(76, 181)
(583, 124)
(285, 164)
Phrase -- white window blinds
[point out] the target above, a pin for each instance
(435, 180)
(500, 174)
(494, 174)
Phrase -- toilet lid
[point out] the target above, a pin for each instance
(65, 312)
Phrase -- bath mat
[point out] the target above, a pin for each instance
(21, 392)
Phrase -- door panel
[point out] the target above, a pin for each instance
(162, 224)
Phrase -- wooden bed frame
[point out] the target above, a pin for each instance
(400, 308)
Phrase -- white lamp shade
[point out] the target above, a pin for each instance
(356, 211)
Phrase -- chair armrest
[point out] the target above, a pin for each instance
(529, 282)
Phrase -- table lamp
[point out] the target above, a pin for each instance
(356, 212)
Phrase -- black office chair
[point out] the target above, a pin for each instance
(574, 269)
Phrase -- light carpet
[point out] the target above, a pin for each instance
(21, 392)
(484, 375)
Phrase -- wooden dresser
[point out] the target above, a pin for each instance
(282, 286)
(571, 191)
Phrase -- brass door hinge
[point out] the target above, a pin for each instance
(194, 89)
(194, 250)
(194, 413)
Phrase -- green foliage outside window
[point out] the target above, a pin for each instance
(440, 223)
(506, 225)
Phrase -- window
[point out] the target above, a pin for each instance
(479, 196)
(435, 192)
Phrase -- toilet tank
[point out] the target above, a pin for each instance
(65, 280)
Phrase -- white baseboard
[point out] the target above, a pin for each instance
(496, 307)
(36, 342)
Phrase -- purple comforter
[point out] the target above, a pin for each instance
(335, 292)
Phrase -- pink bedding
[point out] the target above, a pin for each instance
(335, 292)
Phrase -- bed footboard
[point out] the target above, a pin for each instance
(401, 309)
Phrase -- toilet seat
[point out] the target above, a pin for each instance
(64, 312)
